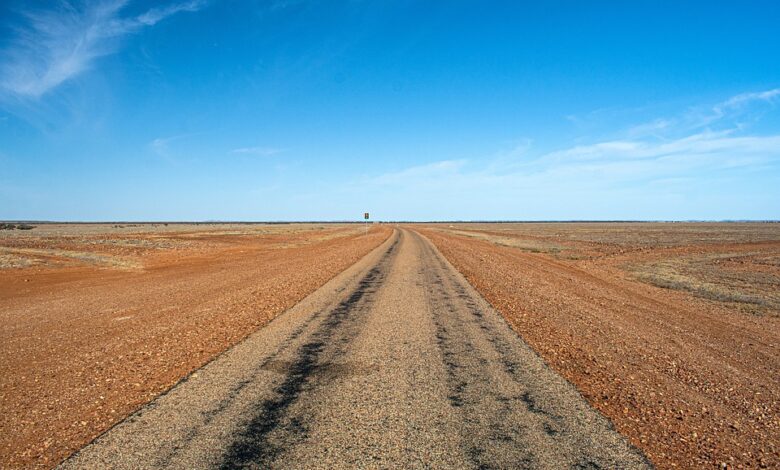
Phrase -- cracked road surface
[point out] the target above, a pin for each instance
(397, 362)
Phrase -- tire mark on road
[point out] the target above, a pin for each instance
(463, 333)
(509, 419)
(466, 376)
(272, 429)
(208, 416)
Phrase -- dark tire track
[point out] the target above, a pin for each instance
(253, 446)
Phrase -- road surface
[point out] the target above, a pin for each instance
(397, 362)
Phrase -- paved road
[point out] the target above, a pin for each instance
(397, 362)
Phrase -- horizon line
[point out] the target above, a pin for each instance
(357, 221)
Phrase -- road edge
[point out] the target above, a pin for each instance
(508, 324)
(345, 276)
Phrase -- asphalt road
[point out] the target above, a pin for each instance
(397, 362)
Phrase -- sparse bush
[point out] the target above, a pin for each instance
(702, 290)
(7, 226)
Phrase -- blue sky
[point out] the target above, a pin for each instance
(301, 110)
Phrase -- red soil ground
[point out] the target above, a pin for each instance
(692, 381)
(82, 346)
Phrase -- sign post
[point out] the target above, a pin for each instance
(365, 223)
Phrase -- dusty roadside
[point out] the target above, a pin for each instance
(691, 382)
(82, 347)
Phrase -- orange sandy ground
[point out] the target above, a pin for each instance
(81, 346)
(694, 383)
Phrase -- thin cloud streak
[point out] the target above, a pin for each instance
(769, 96)
(733, 113)
(733, 108)
(59, 44)
(261, 151)
(641, 161)
(161, 145)
(611, 161)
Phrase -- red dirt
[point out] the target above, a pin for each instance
(82, 346)
(693, 382)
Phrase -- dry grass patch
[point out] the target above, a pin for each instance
(528, 245)
(25, 257)
(733, 278)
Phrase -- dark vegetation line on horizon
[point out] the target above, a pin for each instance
(475, 221)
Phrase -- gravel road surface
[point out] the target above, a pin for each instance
(397, 362)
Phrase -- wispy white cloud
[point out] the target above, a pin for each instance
(736, 112)
(155, 15)
(417, 174)
(58, 44)
(654, 128)
(261, 151)
(735, 107)
(767, 96)
(578, 181)
(705, 143)
(162, 145)
(610, 162)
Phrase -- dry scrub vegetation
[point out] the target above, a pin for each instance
(747, 281)
(734, 263)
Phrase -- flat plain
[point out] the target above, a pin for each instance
(395, 363)
(98, 319)
(389, 346)
(672, 330)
